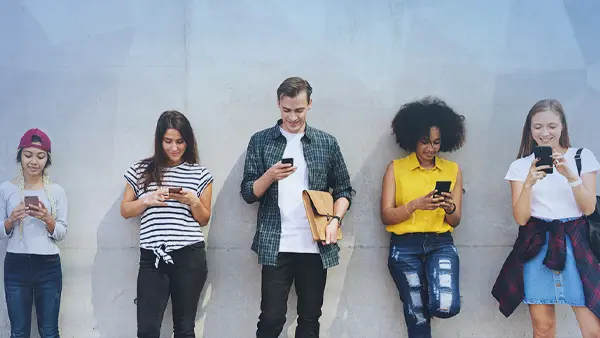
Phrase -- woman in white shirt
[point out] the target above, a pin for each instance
(34, 215)
(555, 202)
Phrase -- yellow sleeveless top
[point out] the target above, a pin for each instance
(414, 181)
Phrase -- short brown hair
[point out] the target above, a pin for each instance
(527, 141)
(292, 86)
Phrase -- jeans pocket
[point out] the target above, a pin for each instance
(50, 260)
(147, 259)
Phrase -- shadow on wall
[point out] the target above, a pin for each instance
(232, 297)
(114, 276)
(4, 322)
(368, 257)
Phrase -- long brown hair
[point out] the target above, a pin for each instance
(527, 141)
(170, 119)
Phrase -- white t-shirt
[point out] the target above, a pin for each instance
(553, 196)
(295, 230)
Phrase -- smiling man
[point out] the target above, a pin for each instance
(281, 162)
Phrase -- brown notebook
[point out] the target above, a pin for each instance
(319, 210)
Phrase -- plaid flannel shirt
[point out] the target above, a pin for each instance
(326, 170)
(509, 289)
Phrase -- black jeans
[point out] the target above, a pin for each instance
(183, 281)
(32, 278)
(307, 273)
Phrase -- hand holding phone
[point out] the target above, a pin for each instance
(544, 153)
(442, 186)
(281, 169)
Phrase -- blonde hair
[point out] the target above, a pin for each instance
(46, 182)
(527, 141)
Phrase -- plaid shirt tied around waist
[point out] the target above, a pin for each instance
(326, 171)
(509, 289)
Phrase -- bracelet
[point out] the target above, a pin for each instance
(576, 183)
(406, 207)
(453, 210)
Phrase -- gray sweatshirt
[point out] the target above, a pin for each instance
(35, 239)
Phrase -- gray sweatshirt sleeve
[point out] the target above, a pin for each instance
(60, 230)
(4, 215)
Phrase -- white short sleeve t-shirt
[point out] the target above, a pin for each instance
(553, 196)
(295, 230)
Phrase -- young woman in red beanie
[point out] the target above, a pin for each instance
(33, 212)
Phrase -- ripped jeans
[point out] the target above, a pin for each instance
(425, 268)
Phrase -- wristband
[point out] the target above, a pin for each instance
(576, 183)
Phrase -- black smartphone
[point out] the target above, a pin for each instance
(544, 153)
(442, 186)
(287, 160)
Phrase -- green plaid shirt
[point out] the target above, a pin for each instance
(326, 171)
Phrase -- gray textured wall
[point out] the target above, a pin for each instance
(96, 75)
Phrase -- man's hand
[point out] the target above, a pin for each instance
(331, 232)
(280, 171)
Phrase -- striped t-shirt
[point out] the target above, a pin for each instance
(171, 227)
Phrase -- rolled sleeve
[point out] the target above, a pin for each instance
(251, 172)
(338, 177)
(3, 233)
(60, 229)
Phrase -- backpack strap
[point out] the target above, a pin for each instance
(578, 160)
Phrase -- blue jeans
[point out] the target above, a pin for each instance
(425, 268)
(33, 278)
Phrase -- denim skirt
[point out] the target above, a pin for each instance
(546, 286)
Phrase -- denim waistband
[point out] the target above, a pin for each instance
(567, 219)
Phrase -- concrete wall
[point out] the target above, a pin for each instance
(96, 75)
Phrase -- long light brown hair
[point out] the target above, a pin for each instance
(527, 141)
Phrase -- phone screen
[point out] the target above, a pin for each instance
(544, 153)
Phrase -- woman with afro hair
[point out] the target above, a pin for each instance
(423, 260)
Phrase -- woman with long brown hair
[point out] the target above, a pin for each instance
(172, 192)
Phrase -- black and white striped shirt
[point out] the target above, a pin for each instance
(171, 227)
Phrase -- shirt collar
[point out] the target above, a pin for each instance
(275, 132)
(414, 162)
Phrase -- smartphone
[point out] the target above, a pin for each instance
(31, 200)
(289, 160)
(544, 153)
(442, 186)
(175, 190)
